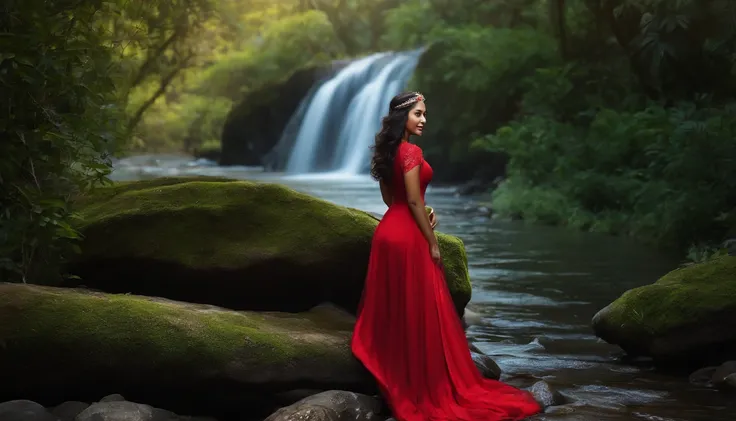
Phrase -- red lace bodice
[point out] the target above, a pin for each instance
(408, 156)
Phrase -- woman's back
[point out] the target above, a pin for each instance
(408, 156)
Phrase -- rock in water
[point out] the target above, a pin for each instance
(62, 344)
(730, 381)
(68, 411)
(235, 244)
(688, 316)
(723, 376)
(703, 376)
(124, 411)
(130, 411)
(545, 395)
(472, 318)
(332, 405)
(487, 367)
(115, 397)
(485, 364)
(24, 410)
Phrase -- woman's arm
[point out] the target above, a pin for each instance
(416, 204)
(411, 162)
(386, 194)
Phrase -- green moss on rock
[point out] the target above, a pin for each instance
(109, 191)
(238, 244)
(455, 262)
(689, 314)
(79, 340)
(235, 217)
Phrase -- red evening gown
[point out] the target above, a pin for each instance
(408, 333)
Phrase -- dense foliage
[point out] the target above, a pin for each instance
(58, 119)
(615, 115)
(635, 136)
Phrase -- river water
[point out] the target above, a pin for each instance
(535, 289)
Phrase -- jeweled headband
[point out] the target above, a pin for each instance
(417, 98)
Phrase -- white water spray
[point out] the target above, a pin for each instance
(345, 113)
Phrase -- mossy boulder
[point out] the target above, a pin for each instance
(686, 317)
(59, 344)
(236, 244)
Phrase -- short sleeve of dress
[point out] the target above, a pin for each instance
(411, 157)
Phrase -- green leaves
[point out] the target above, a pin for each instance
(685, 46)
(477, 74)
(56, 123)
(663, 174)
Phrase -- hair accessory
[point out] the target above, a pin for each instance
(417, 98)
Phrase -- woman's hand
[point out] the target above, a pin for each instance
(432, 218)
(434, 251)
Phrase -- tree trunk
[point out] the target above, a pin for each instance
(165, 82)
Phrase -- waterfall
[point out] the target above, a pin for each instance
(343, 116)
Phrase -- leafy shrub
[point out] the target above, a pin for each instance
(58, 119)
(666, 175)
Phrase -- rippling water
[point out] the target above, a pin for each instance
(535, 290)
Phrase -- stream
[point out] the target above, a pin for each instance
(535, 289)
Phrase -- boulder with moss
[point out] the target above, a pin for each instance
(236, 244)
(63, 344)
(686, 317)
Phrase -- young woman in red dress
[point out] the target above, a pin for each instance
(408, 333)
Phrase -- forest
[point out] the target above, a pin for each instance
(614, 116)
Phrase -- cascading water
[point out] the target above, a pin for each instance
(343, 116)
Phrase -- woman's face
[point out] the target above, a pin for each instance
(417, 119)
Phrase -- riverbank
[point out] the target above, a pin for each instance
(171, 308)
(535, 290)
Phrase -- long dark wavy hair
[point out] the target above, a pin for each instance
(389, 137)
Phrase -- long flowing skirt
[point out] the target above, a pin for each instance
(409, 336)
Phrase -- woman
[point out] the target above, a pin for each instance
(408, 333)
